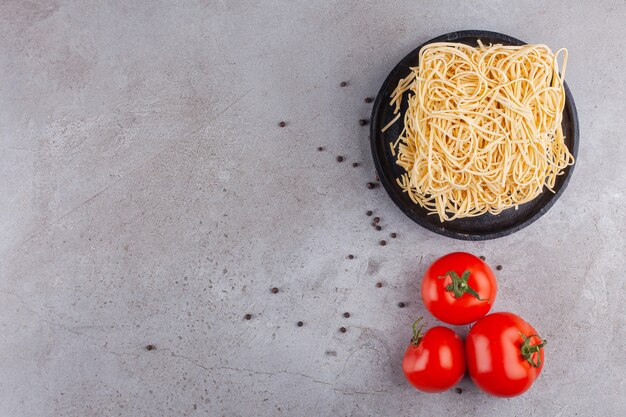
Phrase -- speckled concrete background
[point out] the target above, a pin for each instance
(149, 197)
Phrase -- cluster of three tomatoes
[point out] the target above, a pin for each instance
(502, 352)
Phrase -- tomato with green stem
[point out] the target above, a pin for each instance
(504, 354)
(435, 360)
(459, 288)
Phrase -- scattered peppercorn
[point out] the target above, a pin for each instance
(150, 347)
(377, 179)
(363, 122)
(320, 148)
(499, 267)
(343, 83)
(282, 124)
(247, 316)
(368, 99)
(274, 290)
(401, 304)
(350, 256)
(394, 235)
(458, 390)
(355, 164)
(343, 329)
(369, 212)
(376, 219)
(300, 324)
(379, 228)
(371, 185)
(340, 159)
(383, 242)
(379, 285)
(346, 314)
(482, 257)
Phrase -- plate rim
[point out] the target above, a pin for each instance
(388, 183)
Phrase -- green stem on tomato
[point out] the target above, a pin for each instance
(529, 350)
(417, 332)
(460, 286)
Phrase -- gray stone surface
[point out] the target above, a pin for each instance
(148, 196)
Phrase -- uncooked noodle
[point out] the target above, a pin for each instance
(482, 132)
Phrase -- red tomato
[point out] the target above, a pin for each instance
(459, 288)
(504, 354)
(435, 361)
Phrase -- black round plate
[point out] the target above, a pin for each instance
(486, 226)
